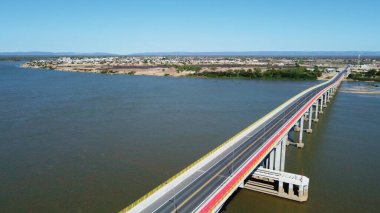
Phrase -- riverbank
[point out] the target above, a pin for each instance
(370, 76)
(293, 73)
(296, 73)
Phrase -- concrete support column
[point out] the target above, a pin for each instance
(278, 156)
(325, 100)
(300, 191)
(322, 100)
(283, 152)
(301, 130)
(271, 159)
(280, 187)
(328, 96)
(291, 192)
(309, 130)
(321, 105)
(316, 111)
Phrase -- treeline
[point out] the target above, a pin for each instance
(296, 73)
(371, 75)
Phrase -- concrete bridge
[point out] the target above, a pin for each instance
(253, 159)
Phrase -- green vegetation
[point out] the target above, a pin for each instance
(371, 75)
(131, 73)
(181, 68)
(296, 73)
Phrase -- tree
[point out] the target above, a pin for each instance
(371, 73)
(316, 69)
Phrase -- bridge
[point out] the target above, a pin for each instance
(253, 159)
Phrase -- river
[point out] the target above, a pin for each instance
(82, 142)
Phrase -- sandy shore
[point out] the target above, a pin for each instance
(153, 71)
(362, 90)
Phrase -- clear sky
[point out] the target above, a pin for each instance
(126, 26)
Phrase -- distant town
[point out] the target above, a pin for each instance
(234, 67)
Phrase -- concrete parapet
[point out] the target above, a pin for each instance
(309, 131)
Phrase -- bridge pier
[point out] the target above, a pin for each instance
(300, 144)
(281, 184)
(277, 162)
(271, 159)
(316, 112)
(270, 177)
(321, 105)
(309, 130)
(328, 95)
(283, 152)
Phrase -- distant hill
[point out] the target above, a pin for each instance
(52, 54)
(267, 53)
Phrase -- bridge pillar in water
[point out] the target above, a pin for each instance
(277, 161)
(267, 162)
(310, 114)
(316, 112)
(325, 100)
(271, 159)
(283, 152)
(328, 95)
(321, 105)
(300, 144)
(281, 184)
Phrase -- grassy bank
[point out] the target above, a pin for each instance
(371, 75)
(296, 73)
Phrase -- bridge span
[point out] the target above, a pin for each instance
(254, 155)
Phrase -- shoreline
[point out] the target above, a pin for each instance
(361, 92)
(157, 71)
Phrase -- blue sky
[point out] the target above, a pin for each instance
(123, 27)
